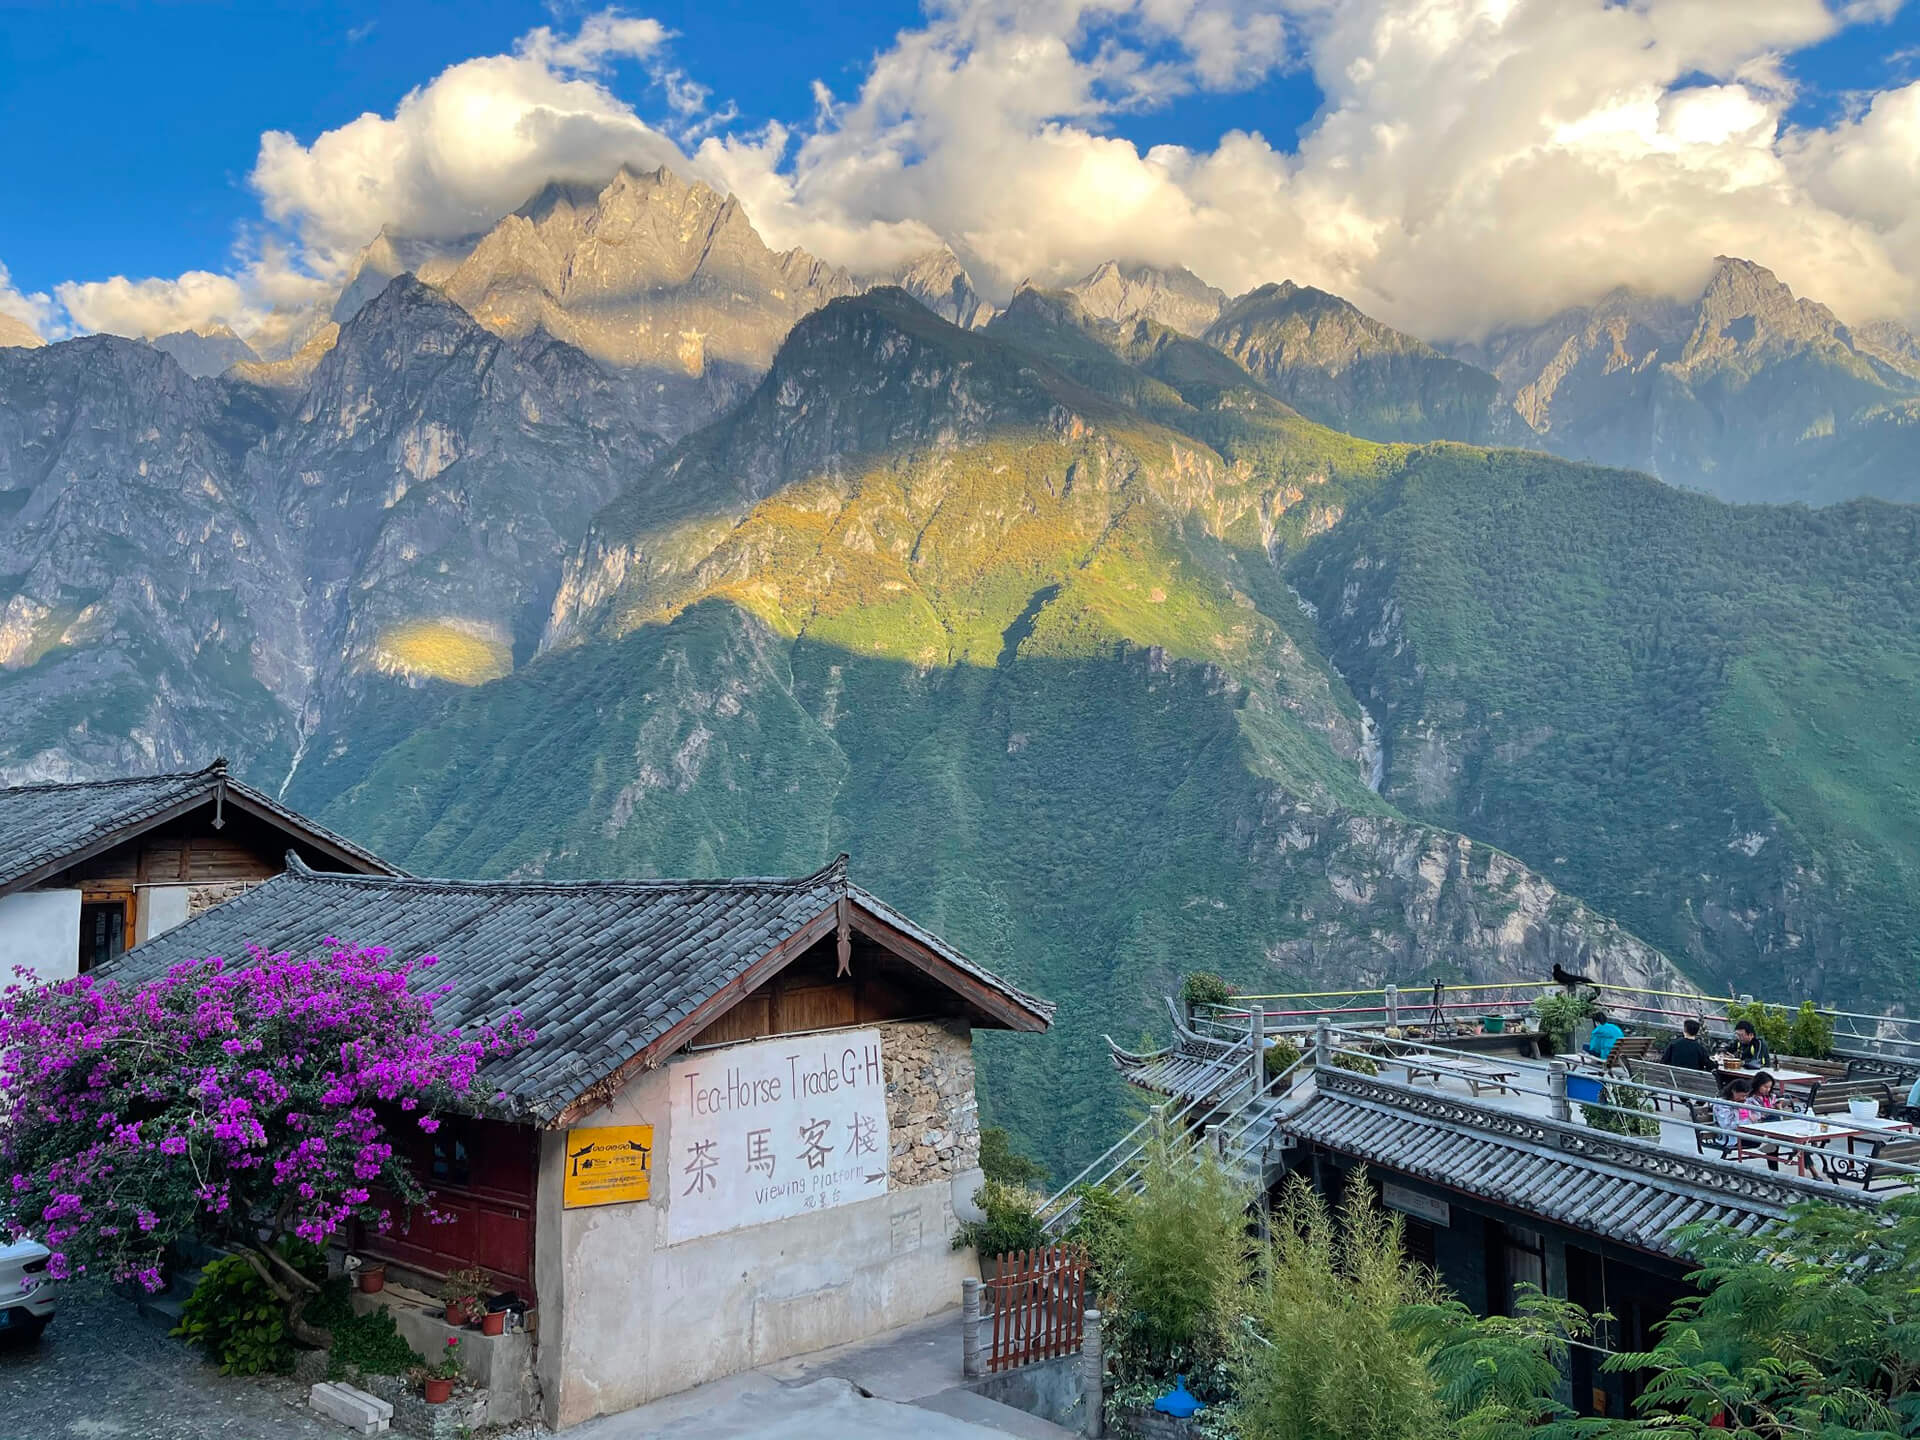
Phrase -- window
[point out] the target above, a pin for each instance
(105, 928)
(1525, 1258)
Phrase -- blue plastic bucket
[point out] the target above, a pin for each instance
(1583, 1089)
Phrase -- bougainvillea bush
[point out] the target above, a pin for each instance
(239, 1101)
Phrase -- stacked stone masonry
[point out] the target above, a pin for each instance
(933, 1117)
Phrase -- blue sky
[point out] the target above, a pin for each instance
(133, 130)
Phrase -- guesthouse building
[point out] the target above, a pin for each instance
(91, 868)
(747, 1128)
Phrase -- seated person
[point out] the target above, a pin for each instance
(1605, 1036)
(1749, 1047)
(1685, 1052)
(1730, 1113)
(1913, 1102)
(1766, 1094)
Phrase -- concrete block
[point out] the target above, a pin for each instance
(360, 1412)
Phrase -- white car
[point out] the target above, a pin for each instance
(26, 1292)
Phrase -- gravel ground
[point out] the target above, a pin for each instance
(101, 1372)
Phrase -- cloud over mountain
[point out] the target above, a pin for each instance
(1474, 162)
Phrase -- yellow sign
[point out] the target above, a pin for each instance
(609, 1165)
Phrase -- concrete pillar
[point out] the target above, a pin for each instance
(971, 1364)
(1557, 1090)
(1093, 1377)
(1393, 1006)
(1322, 1044)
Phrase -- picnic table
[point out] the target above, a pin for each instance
(1477, 1074)
(1821, 1131)
(1785, 1076)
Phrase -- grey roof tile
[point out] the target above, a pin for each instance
(600, 969)
(41, 825)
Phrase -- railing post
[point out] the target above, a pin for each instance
(1257, 1039)
(970, 1365)
(1393, 1007)
(1093, 1377)
(1557, 1090)
(1322, 1044)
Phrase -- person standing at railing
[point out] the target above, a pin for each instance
(1684, 1051)
(1605, 1036)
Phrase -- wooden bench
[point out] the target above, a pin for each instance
(1689, 1083)
(1830, 1097)
(1477, 1074)
(1627, 1049)
(1831, 1069)
(1876, 1170)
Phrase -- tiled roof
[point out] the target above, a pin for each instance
(600, 969)
(1637, 1195)
(1194, 1067)
(53, 825)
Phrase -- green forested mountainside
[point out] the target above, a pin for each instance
(1699, 717)
(1022, 651)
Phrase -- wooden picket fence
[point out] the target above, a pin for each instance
(1038, 1302)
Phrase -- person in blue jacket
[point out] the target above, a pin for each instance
(1605, 1036)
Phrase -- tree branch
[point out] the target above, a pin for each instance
(293, 1296)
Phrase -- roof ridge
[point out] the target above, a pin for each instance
(208, 774)
(831, 873)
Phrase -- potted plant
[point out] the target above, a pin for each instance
(1203, 987)
(494, 1322)
(1011, 1223)
(464, 1291)
(436, 1380)
(371, 1276)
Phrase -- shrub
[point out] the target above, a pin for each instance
(1642, 1122)
(1011, 1221)
(1000, 1161)
(1769, 1022)
(1336, 1365)
(1810, 1034)
(1203, 987)
(238, 1319)
(1560, 1015)
(1359, 1064)
(1280, 1055)
(1099, 1226)
(369, 1344)
(1178, 1268)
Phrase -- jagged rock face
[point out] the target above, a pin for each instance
(651, 274)
(1748, 392)
(205, 353)
(1345, 369)
(144, 612)
(1124, 294)
(940, 282)
(17, 334)
(224, 571)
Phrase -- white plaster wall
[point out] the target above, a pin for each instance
(161, 908)
(626, 1318)
(40, 929)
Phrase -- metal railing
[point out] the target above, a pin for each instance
(1548, 1081)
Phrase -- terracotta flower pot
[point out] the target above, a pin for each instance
(439, 1391)
(372, 1279)
(457, 1313)
(494, 1322)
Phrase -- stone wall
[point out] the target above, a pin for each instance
(204, 897)
(933, 1117)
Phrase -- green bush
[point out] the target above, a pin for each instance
(1811, 1033)
(240, 1323)
(1011, 1221)
(1560, 1015)
(1000, 1161)
(1099, 1223)
(1359, 1064)
(1178, 1268)
(370, 1344)
(1280, 1055)
(1769, 1022)
(1203, 987)
(1642, 1122)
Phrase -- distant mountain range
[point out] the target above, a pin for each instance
(1128, 629)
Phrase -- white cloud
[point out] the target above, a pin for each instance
(1473, 162)
(35, 311)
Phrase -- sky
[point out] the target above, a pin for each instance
(1449, 165)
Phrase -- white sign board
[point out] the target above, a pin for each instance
(779, 1128)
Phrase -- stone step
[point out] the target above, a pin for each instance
(164, 1309)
